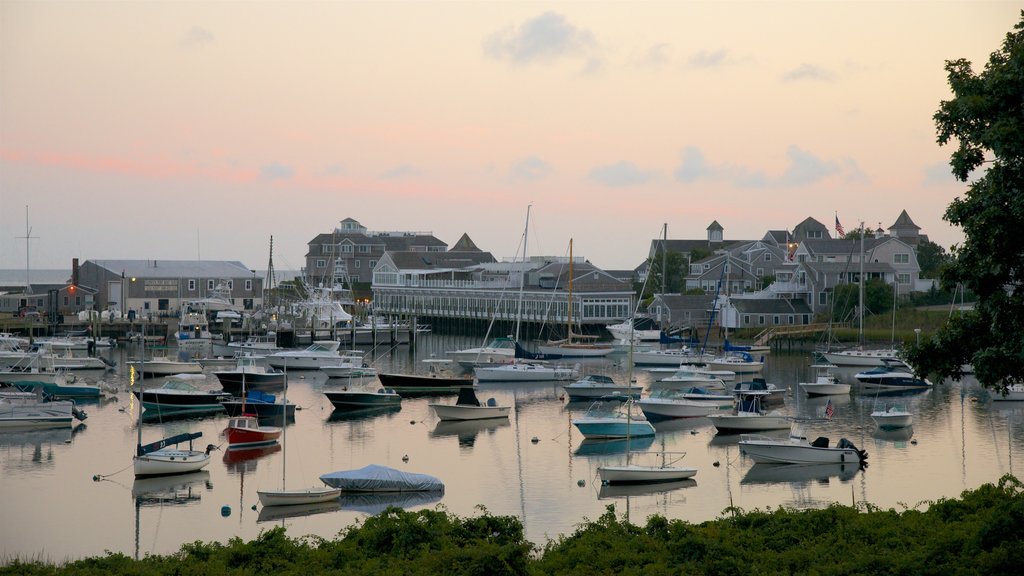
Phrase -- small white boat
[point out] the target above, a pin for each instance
(468, 407)
(741, 363)
(860, 357)
(641, 328)
(632, 473)
(570, 349)
(749, 417)
(499, 351)
(825, 382)
(594, 386)
(524, 372)
(670, 404)
(892, 416)
(164, 457)
(316, 355)
(688, 376)
(797, 450)
(605, 420)
(671, 357)
(28, 410)
(164, 366)
(298, 496)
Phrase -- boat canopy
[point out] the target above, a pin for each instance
(467, 398)
(374, 478)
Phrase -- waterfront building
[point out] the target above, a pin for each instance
(350, 252)
(159, 288)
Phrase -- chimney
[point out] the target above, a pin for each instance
(74, 271)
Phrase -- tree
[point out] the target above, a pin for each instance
(656, 281)
(877, 299)
(986, 119)
(931, 258)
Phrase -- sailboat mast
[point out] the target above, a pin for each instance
(522, 271)
(860, 305)
(664, 259)
(569, 322)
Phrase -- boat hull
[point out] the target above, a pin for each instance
(356, 399)
(634, 474)
(167, 461)
(748, 423)
(595, 392)
(576, 351)
(825, 389)
(671, 408)
(859, 357)
(249, 438)
(297, 497)
(232, 381)
(892, 420)
(454, 412)
(598, 428)
(770, 451)
(522, 373)
(423, 383)
(34, 414)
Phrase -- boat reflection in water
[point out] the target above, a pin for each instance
(761, 473)
(244, 459)
(357, 414)
(624, 490)
(467, 430)
(374, 503)
(273, 513)
(590, 447)
(179, 489)
(898, 436)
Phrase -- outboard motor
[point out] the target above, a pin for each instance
(78, 413)
(861, 454)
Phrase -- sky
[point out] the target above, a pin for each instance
(198, 130)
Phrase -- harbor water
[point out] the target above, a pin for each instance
(70, 492)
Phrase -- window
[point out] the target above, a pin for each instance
(707, 266)
(209, 284)
(163, 304)
(231, 284)
(903, 278)
(326, 248)
(814, 233)
(767, 256)
(775, 319)
(192, 285)
(66, 300)
(248, 285)
(321, 263)
(760, 272)
(760, 319)
(901, 258)
(822, 298)
(247, 303)
(364, 249)
(373, 263)
(746, 319)
(358, 264)
(346, 248)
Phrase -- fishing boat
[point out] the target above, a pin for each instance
(28, 410)
(317, 355)
(593, 386)
(825, 382)
(797, 450)
(64, 385)
(643, 329)
(245, 431)
(498, 351)
(346, 399)
(469, 407)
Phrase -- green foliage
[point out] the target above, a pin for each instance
(932, 258)
(657, 283)
(878, 298)
(986, 119)
(982, 532)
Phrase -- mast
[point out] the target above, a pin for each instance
(522, 271)
(569, 323)
(27, 238)
(860, 295)
(664, 259)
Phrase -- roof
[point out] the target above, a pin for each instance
(688, 246)
(464, 244)
(586, 276)
(418, 260)
(16, 278)
(778, 236)
(771, 306)
(715, 226)
(904, 221)
(175, 268)
(801, 229)
(852, 267)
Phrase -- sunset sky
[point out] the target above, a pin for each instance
(182, 130)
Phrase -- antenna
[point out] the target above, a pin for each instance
(28, 236)
(269, 282)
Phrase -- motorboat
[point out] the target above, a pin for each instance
(165, 366)
(713, 397)
(825, 382)
(375, 478)
(245, 431)
(525, 372)
(668, 404)
(260, 403)
(594, 386)
(438, 378)
(352, 366)
(1014, 392)
(469, 407)
(604, 420)
(860, 356)
(317, 355)
(892, 376)
(498, 351)
(797, 450)
(262, 344)
(688, 376)
(641, 328)
(35, 369)
(346, 399)
(892, 416)
(767, 393)
(64, 385)
(748, 416)
(164, 457)
(28, 410)
(298, 496)
(249, 374)
(179, 393)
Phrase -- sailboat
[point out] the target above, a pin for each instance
(284, 496)
(164, 457)
(570, 347)
(630, 473)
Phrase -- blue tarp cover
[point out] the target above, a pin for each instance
(374, 478)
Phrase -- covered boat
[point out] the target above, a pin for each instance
(374, 478)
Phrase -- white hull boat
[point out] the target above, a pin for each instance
(499, 351)
(637, 474)
(1014, 393)
(749, 421)
(595, 386)
(668, 406)
(26, 410)
(299, 496)
(825, 382)
(859, 357)
(450, 412)
(319, 354)
(892, 417)
(737, 365)
(170, 461)
(524, 372)
(576, 350)
(796, 450)
(677, 357)
(163, 366)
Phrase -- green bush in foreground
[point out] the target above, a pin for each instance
(979, 533)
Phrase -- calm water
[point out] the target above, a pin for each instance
(53, 509)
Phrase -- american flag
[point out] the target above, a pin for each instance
(839, 227)
(829, 409)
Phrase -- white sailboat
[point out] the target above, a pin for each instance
(571, 346)
(294, 496)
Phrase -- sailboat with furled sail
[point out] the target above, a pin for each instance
(575, 345)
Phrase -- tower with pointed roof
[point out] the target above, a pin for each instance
(905, 229)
